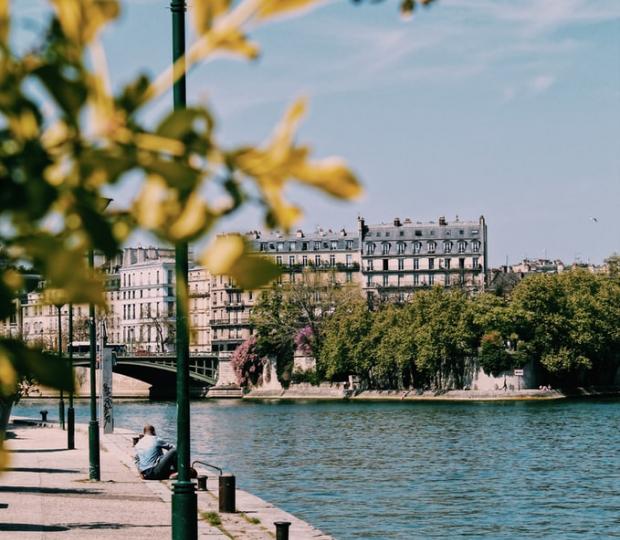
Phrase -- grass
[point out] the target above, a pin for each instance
(212, 518)
(252, 520)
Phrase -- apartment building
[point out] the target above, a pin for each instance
(402, 256)
(199, 282)
(336, 253)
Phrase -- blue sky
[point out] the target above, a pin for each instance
(507, 108)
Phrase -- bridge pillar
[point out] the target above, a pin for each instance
(226, 385)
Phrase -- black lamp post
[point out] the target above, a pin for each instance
(70, 410)
(61, 403)
(184, 500)
(94, 469)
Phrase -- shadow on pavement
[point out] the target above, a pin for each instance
(101, 525)
(31, 527)
(40, 470)
(36, 450)
(48, 491)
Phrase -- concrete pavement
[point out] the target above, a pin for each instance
(45, 493)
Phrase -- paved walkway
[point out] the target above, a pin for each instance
(45, 493)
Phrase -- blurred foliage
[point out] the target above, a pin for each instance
(66, 138)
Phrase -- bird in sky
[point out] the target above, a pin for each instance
(594, 220)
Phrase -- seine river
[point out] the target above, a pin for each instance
(412, 470)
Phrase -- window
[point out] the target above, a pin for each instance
(431, 246)
(431, 279)
(317, 246)
(263, 246)
(334, 244)
(291, 260)
(401, 233)
(385, 280)
(349, 277)
(446, 263)
(417, 247)
(280, 246)
(474, 263)
(369, 281)
(475, 246)
(387, 233)
(447, 246)
(416, 264)
(385, 248)
(418, 233)
(416, 279)
(386, 264)
(370, 248)
(462, 246)
(292, 246)
(369, 265)
(332, 260)
(462, 263)
(317, 260)
(304, 260)
(401, 264)
(400, 248)
(304, 246)
(447, 280)
(279, 260)
(349, 244)
(431, 264)
(349, 261)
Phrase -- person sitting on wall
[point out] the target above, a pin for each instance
(152, 462)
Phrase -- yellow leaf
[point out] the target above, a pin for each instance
(156, 143)
(221, 256)
(193, 219)
(283, 135)
(5, 20)
(331, 175)
(206, 11)
(13, 279)
(81, 20)
(149, 206)
(231, 255)
(8, 376)
(233, 41)
(274, 8)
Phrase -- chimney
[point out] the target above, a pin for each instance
(442, 221)
(397, 222)
(299, 233)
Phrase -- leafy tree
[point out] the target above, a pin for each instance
(246, 362)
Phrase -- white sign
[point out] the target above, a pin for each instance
(519, 372)
(107, 413)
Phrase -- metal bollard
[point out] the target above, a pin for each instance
(43, 416)
(282, 529)
(227, 493)
(202, 482)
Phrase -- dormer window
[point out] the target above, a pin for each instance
(447, 246)
(475, 246)
(385, 248)
(431, 246)
(417, 247)
(370, 248)
(462, 246)
(401, 248)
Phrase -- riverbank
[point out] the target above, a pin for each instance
(338, 392)
(46, 489)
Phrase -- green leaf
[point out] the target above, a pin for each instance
(69, 94)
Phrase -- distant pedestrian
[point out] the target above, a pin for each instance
(152, 462)
(505, 387)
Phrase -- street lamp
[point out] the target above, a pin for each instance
(184, 501)
(70, 410)
(61, 403)
(94, 469)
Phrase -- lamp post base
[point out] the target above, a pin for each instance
(184, 511)
(70, 428)
(61, 412)
(93, 450)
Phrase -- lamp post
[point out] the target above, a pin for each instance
(184, 500)
(61, 403)
(70, 410)
(94, 472)
(94, 469)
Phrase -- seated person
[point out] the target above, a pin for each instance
(150, 458)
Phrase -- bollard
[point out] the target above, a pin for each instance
(227, 493)
(202, 482)
(282, 529)
(43, 416)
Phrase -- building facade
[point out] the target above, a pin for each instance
(402, 256)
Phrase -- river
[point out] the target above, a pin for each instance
(501, 470)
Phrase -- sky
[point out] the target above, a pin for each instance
(504, 108)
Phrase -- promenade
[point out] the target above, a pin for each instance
(46, 493)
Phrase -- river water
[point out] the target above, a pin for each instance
(412, 470)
